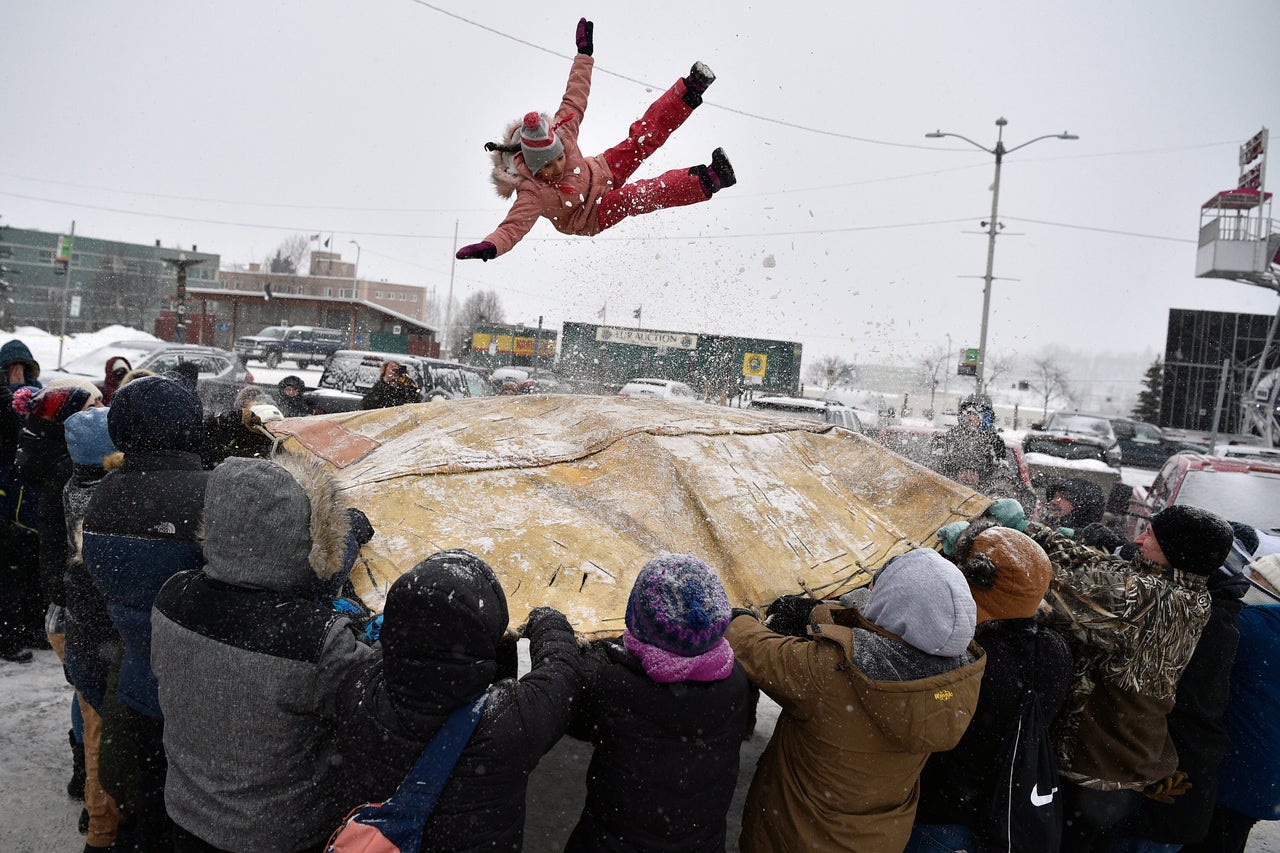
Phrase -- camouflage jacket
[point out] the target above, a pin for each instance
(1132, 626)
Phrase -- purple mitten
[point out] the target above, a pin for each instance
(583, 36)
(485, 251)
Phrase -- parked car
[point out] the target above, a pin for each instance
(1247, 451)
(1243, 490)
(815, 410)
(303, 345)
(1144, 445)
(1075, 435)
(222, 373)
(659, 389)
(532, 380)
(873, 407)
(349, 374)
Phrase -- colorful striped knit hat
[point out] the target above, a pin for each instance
(678, 604)
(538, 142)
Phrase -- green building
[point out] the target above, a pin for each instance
(605, 357)
(100, 282)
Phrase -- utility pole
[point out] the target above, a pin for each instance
(66, 288)
(992, 227)
(448, 306)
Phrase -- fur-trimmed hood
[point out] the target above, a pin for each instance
(273, 524)
(509, 169)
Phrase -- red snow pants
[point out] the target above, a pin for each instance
(670, 189)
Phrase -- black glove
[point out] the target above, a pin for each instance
(583, 36)
(1098, 535)
(508, 657)
(360, 525)
(541, 618)
(789, 614)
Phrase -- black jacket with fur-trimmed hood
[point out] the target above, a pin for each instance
(249, 661)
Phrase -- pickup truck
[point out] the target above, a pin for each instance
(349, 374)
(303, 345)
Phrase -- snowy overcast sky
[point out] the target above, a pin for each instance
(235, 124)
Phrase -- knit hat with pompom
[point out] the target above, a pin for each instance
(678, 604)
(538, 142)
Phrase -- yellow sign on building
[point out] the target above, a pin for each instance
(753, 364)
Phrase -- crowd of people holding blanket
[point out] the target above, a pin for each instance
(1013, 689)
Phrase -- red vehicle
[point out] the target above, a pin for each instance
(1243, 490)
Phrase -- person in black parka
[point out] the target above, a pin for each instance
(666, 707)
(443, 622)
(1008, 575)
(394, 388)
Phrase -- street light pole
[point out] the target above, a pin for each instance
(992, 228)
(355, 272)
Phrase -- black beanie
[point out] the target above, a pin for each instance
(1192, 539)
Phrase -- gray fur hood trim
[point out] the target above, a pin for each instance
(273, 524)
(508, 173)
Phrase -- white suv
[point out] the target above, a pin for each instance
(815, 410)
(659, 389)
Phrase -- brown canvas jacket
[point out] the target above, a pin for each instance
(842, 770)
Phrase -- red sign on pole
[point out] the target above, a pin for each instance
(1252, 179)
(1253, 149)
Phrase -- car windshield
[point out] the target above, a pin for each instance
(1079, 424)
(351, 372)
(273, 332)
(95, 363)
(1252, 499)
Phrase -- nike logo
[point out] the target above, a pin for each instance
(1039, 800)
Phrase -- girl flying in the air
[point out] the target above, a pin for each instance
(541, 164)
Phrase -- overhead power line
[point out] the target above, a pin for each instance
(1101, 230)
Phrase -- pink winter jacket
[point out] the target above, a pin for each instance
(570, 203)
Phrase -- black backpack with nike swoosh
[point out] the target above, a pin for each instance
(1024, 814)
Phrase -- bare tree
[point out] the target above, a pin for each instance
(1050, 382)
(289, 256)
(996, 366)
(477, 309)
(830, 371)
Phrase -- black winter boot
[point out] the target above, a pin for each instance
(75, 788)
(721, 169)
(700, 77)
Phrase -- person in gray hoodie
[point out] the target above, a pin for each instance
(249, 658)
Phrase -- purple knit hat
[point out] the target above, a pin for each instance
(678, 604)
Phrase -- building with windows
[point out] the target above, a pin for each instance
(1199, 347)
(99, 283)
(330, 277)
(375, 315)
